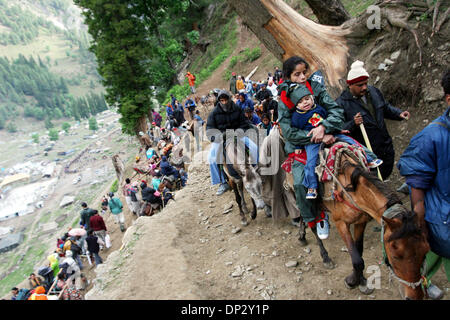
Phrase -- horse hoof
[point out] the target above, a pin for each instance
(329, 265)
(365, 289)
(244, 223)
(303, 242)
(253, 216)
(351, 282)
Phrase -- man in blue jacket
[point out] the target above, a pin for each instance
(426, 166)
(365, 104)
(244, 102)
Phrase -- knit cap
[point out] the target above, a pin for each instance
(298, 93)
(357, 73)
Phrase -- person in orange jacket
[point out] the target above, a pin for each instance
(191, 79)
(39, 294)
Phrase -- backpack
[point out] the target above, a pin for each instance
(193, 77)
(23, 294)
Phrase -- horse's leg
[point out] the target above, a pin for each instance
(239, 201)
(354, 279)
(358, 235)
(253, 214)
(240, 187)
(302, 232)
(327, 262)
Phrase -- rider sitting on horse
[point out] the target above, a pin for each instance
(307, 116)
(225, 115)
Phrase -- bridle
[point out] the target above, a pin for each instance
(390, 213)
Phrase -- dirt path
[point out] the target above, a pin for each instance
(189, 251)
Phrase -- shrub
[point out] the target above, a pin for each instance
(115, 186)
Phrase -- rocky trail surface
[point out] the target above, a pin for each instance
(196, 249)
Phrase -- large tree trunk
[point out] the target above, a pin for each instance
(329, 12)
(329, 48)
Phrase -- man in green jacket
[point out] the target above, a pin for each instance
(115, 205)
(85, 215)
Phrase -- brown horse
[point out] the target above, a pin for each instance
(360, 196)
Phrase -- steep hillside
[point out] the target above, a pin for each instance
(46, 65)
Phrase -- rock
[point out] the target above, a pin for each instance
(212, 206)
(228, 206)
(259, 288)
(220, 250)
(265, 295)
(382, 66)
(259, 234)
(236, 230)
(286, 232)
(307, 250)
(66, 201)
(275, 253)
(238, 272)
(388, 62)
(218, 225)
(396, 54)
(444, 47)
(291, 264)
(329, 292)
(377, 79)
(250, 268)
(227, 211)
(208, 272)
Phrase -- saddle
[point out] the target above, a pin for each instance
(329, 163)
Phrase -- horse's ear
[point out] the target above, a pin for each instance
(392, 224)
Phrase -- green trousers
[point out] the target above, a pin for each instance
(308, 208)
(434, 262)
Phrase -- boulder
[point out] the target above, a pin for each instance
(66, 201)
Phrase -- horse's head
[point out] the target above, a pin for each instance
(406, 244)
(253, 184)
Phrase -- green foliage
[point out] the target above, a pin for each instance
(53, 134)
(233, 61)
(11, 127)
(193, 37)
(24, 77)
(114, 186)
(65, 126)
(93, 124)
(35, 137)
(253, 54)
(138, 45)
(48, 124)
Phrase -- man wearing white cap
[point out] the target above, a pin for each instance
(365, 104)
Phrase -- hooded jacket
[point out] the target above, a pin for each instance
(220, 119)
(248, 103)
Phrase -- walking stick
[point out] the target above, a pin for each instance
(366, 140)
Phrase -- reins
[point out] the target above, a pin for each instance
(391, 213)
